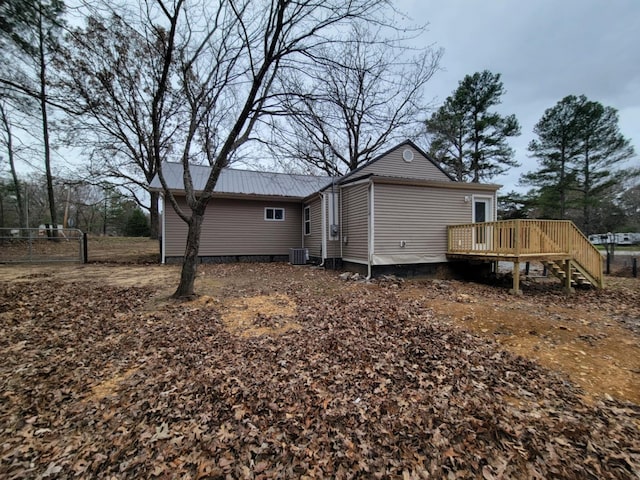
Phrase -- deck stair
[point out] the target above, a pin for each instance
(558, 244)
(558, 270)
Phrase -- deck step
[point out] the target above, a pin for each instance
(556, 270)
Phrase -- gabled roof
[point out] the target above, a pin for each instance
(349, 176)
(242, 182)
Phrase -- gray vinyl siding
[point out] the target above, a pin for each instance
(313, 241)
(355, 222)
(237, 227)
(419, 216)
(392, 165)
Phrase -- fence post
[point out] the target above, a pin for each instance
(634, 267)
(85, 250)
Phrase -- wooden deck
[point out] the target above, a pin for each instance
(558, 243)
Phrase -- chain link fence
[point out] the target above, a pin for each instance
(42, 245)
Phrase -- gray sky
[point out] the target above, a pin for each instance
(544, 50)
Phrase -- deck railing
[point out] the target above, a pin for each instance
(522, 238)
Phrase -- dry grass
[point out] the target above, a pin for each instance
(123, 249)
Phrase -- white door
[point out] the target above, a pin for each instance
(482, 212)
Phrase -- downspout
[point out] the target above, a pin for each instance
(341, 236)
(323, 229)
(335, 222)
(371, 231)
(164, 237)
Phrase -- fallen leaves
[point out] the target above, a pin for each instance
(371, 384)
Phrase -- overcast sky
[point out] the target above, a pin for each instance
(544, 50)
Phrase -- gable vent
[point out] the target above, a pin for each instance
(407, 155)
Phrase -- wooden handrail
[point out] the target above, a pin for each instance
(521, 238)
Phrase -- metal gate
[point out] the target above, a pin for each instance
(41, 245)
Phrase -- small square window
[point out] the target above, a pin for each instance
(274, 214)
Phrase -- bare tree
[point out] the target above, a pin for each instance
(224, 59)
(358, 97)
(108, 76)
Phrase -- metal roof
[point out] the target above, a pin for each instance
(245, 182)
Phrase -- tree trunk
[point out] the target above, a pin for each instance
(190, 263)
(154, 217)
(45, 127)
(12, 167)
(475, 157)
(562, 189)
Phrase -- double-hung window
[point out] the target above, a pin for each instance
(307, 220)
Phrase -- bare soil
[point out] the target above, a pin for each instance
(122, 249)
(277, 371)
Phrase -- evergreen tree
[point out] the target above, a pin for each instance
(468, 139)
(556, 149)
(137, 224)
(513, 205)
(579, 148)
(630, 204)
(447, 129)
(603, 148)
(29, 33)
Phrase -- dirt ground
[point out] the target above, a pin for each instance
(279, 371)
(592, 337)
(122, 249)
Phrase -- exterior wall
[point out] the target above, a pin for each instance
(417, 216)
(392, 165)
(237, 227)
(313, 241)
(331, 215)
(355, 222)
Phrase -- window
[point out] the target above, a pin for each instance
(307, 220)
(274, 214)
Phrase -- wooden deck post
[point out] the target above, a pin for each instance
(516, 239)
(567, 276)
(516, 279)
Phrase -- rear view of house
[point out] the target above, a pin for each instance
(253, 216)
(392, 212)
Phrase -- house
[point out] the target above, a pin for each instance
(391, 212)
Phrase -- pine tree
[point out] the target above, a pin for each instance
(29, 34)
(556, 149)
(603, 148)
(579, 149)
(468, 139)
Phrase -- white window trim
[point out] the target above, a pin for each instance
(491, 207)
(274, 219)
(306, 210)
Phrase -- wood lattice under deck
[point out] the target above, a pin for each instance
(559, 244)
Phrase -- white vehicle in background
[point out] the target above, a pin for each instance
(626, 238)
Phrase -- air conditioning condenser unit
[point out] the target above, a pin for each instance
(298, 256)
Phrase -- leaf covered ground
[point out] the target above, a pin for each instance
(287, 372)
